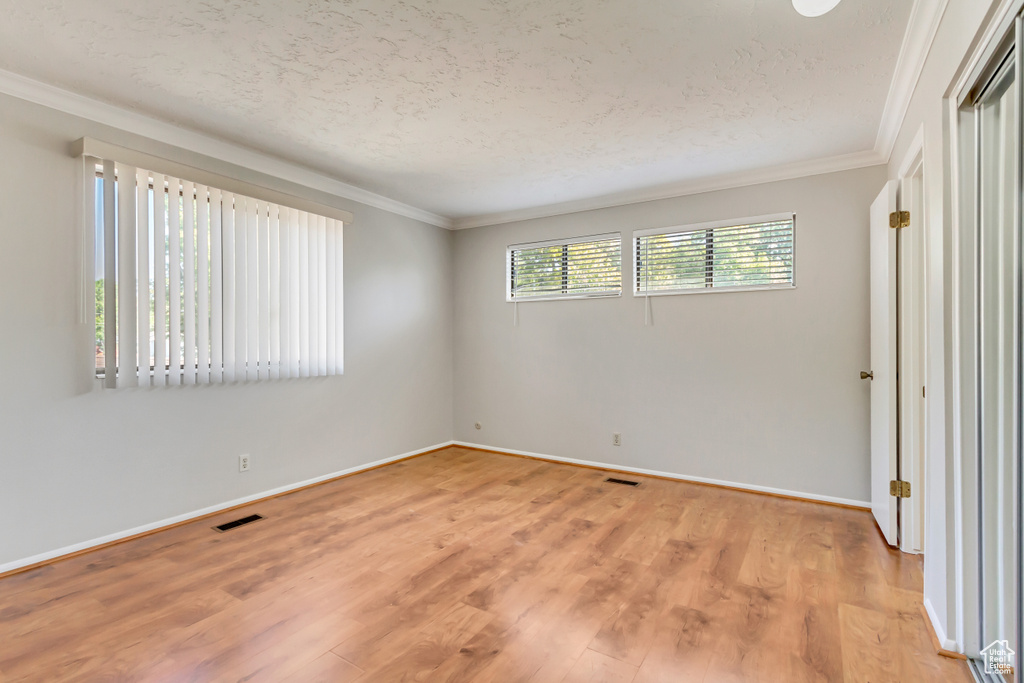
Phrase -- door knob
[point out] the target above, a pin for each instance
(867, 375)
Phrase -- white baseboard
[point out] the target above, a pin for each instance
(673, 475)
(127, 533)
(940, 633)
(85, 545)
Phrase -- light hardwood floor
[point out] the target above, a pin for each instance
(469, 566)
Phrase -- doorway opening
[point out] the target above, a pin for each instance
(899, 357)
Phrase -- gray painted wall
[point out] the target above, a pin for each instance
(756, 388)
(751, 387)
(78, 463)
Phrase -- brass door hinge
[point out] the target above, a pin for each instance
(899, 219)
(899, 489)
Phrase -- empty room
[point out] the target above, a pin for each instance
(507, 340)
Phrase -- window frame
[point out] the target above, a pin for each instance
(709, 225)
(561, 242)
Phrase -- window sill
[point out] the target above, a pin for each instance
(568, 297)
(713, 290)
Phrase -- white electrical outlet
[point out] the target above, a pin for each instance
(243, 463)
(616, 439)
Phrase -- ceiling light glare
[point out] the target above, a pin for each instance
(814, 8)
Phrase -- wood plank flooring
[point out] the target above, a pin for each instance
(469, 566)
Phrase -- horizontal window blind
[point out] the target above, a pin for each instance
(755, 253)
(561, 269)
(197, 285)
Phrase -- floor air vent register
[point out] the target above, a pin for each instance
(624, 482)
(228, 526)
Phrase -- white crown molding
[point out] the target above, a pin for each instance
(68, 102)
(922, 27)
(925, 17)
(729, 181)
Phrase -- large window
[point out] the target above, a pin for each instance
(565, 269)
(195, 284)
(755, 253)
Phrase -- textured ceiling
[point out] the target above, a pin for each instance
(469, 107)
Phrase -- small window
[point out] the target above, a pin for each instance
(752, 253)
(565, 269)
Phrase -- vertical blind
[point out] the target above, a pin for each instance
(197, 285)
(755, 253)
(581, 267)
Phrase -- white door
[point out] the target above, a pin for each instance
(883, 361)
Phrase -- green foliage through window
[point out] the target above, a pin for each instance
(731, 256)
(592, 267)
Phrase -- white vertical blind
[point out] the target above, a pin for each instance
(321, 295)
(295, 319)
(142, 259)
(314, 295)
(241, 286)
(216, 289)
(228, 251)
(304, 307)
(109, 275)
(159, 280)
(91, 203)
(331, 328)
(188, 230)
(174, 280)
(126, 312)
(286, 298)
(274, 298)
(338, 261)
(252, 293)
(263, 216)
(203, 285)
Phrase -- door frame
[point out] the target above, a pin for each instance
(912, 320)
